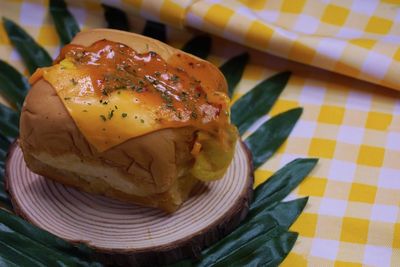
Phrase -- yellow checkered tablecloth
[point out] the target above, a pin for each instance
(350, 121)
(357, 38)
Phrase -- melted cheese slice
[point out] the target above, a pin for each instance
(107, 123)
(113, 93)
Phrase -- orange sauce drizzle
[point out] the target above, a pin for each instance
(173, 94)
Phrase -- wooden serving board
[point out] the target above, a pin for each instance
(128, 234)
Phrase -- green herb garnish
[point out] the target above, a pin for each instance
(110, 114)
(139, 89)
(74, 82)
(175, 78)
(184, 96)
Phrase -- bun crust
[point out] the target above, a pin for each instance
(150, 170)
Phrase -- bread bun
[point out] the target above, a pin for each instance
(153, 168)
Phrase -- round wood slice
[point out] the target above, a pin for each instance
(126, 234)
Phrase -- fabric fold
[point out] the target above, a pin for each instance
(356, 38)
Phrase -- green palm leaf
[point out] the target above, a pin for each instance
(283, 213)
(285, 243)
(31, 52)
(16, 256)
(264, 142)
(279, 185)
(261, 99)
(31, 237)
(265, 249)
(32, 252)
(244, 248)
(155, 30)
(13, 85)
(4, 200)
(238, 238)
(233, 70)
(271, 253)
(11, 92)
(43, 237)
(65, 23)
(5, 262)
(116, 18)
(4, 146)
(15, 76)
(267, 213)
(9, 122)
(279, 216)
(199, 46)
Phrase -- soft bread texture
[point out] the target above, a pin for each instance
(151, 170)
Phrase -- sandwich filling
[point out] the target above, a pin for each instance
(113, 93)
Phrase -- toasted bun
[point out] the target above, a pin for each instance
(150, 170)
